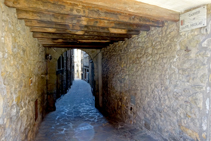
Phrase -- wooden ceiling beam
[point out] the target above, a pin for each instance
(77, 37)
(70, 42)
(94, 41)
(67, 19)
(80, 11)
(133, 7)
(75, 46)
(35, 23)
(99, 34)
(38, 18)
(81, 32)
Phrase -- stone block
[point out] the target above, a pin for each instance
(1, 105)
(190, 133)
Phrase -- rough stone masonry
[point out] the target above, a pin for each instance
(22, 64)
(160, 80)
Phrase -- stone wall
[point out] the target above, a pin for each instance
(64, 73)
(160, 81)
(70, 68)
(22, 64)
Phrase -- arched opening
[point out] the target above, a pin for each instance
(72, 65)
(52, 81)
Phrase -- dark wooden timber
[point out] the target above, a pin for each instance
(80, 10)
(88, 24)
(67, 19)
(75, 46)
(77, 37)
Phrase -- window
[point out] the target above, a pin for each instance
(60, 63)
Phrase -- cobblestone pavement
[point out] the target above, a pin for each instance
(77, 119)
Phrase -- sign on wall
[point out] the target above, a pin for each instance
(193, 19)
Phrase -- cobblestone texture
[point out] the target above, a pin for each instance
(22, 63)
(77, 119)
(158, 80)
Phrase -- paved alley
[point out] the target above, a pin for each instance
(77, 119)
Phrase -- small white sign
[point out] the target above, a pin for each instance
(194, 19)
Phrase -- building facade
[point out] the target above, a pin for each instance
(85, 66)
(77, 63)
(64, 73)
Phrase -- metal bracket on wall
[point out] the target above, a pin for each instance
(187, 50)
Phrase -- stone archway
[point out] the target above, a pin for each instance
(95, 55)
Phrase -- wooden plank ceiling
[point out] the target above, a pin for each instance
(79, 24)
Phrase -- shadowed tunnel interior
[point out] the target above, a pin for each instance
(147, 70)
(76, 118)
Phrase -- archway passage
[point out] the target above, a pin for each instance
(65, 56)
(76, 118)
(158, 80)
(73, 64)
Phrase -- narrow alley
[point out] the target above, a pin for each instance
(105, 70)
(77, 119)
